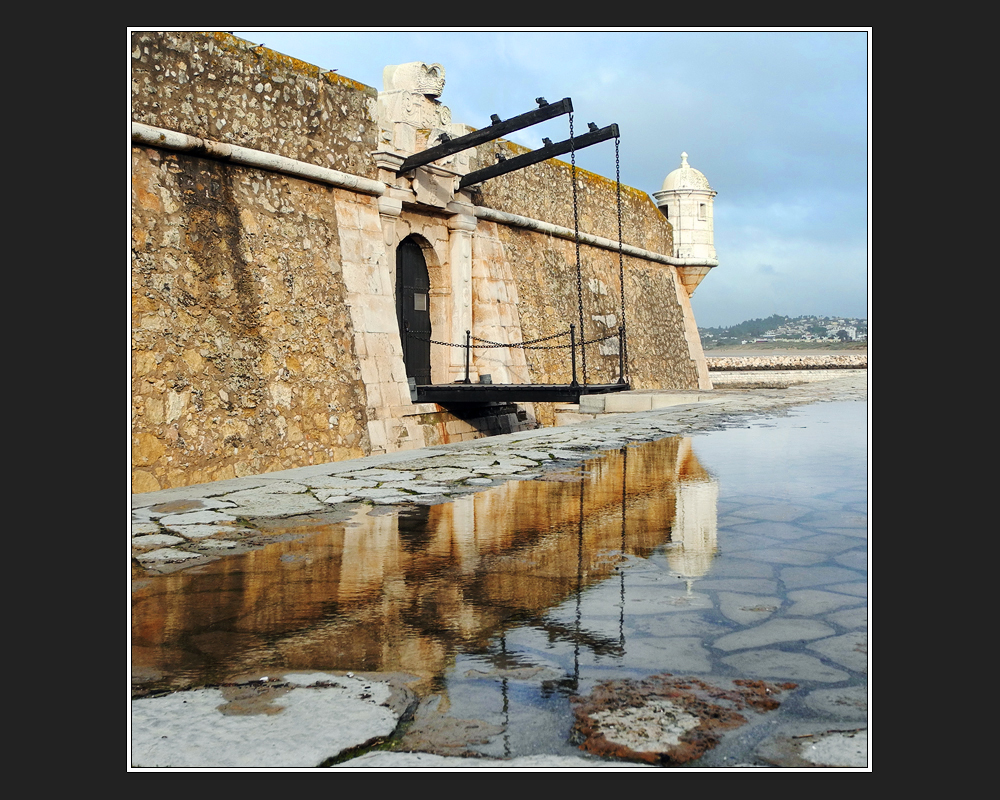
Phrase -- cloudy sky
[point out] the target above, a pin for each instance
(777, 121)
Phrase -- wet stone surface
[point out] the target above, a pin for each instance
(581, 571)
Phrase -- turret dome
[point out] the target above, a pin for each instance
(685, 177)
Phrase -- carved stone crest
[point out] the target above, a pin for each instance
(418, 77)
(408, 103)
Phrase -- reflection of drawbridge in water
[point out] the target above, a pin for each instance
(693, 540)
(407, 590)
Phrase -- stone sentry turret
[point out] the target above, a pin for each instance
(686, 201)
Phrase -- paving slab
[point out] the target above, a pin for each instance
(786, 666)
(207, 531)
(785, 555)
(799, 577)
(857, 589)
(740, 568)
(333, 496)
(382, 475)
(850, 617)
(813, 602)
(267, 504)
(196, 518)
(218, 546)
(671, 653)
(747, 609)
(438, 474)
(165, 555)
(774, 631)
(812, 746)
(695, 623)
(144, 528)
(849, 650)
(301, 722)
(855, 559)
(847, 703)
(743, 585)
(340, 482)
(154, 541)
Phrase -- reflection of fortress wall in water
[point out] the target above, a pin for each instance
(438, 577)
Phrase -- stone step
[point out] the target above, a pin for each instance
(626, 402)
(593, 405)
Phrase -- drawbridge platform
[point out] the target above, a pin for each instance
(453, 393)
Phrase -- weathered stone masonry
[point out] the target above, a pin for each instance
(264, 315)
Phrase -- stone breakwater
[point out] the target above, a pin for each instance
(744, 363)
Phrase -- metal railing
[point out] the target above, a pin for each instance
(533, 344)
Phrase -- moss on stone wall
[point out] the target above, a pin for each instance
(545, 191)
(219, 87)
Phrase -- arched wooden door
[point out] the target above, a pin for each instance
(413, 310)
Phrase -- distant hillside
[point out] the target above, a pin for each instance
(778, 328)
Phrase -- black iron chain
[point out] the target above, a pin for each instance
(520, 344)
(487, 344)
(528, 345)
(621, 258)
(576, 229)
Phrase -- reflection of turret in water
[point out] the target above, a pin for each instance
(695, 532)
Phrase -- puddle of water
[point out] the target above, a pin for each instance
(739, 553)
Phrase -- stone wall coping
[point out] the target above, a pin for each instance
(175, 140)
(503, 217)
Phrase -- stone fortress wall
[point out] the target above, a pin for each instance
(265, 334)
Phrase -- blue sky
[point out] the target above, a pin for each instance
(779, 122)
